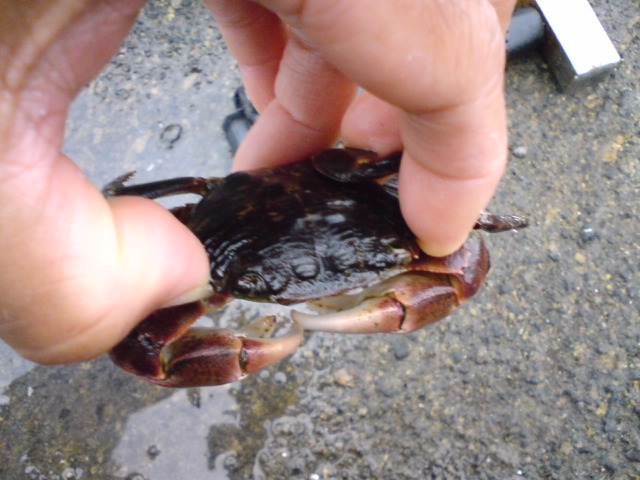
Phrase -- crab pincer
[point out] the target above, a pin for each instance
(429, 290)
(164, 349)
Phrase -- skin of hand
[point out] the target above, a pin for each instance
(77, 271)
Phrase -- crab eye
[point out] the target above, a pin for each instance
(251, 284)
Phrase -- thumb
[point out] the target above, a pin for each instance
(78, 272)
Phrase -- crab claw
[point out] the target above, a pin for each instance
(165, 351)
(401, 304)
(409, 301)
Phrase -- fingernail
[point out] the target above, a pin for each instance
(436, 250)
(198, 293)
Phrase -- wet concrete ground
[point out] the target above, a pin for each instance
(537, 377)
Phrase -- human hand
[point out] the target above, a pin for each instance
(433, 73)
(77, 272)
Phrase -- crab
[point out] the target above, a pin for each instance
(326, 231)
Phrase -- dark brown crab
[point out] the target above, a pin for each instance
(316, 229)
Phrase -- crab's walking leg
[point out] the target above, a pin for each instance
(492, 223)
(164, 350)
(162, 188)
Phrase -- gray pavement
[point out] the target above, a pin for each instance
(537, 377)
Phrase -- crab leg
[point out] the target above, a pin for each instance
(164, 350)
(493, 223)
(162, 188)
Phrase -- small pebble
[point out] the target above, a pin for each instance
(193, 395)
(122, 94)
(230, 462)
(72, 473)
(553, 256)
(519, 152)
(587, 234)
(400, 348)
(343, 378)
(280, 378)
(457, 356)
